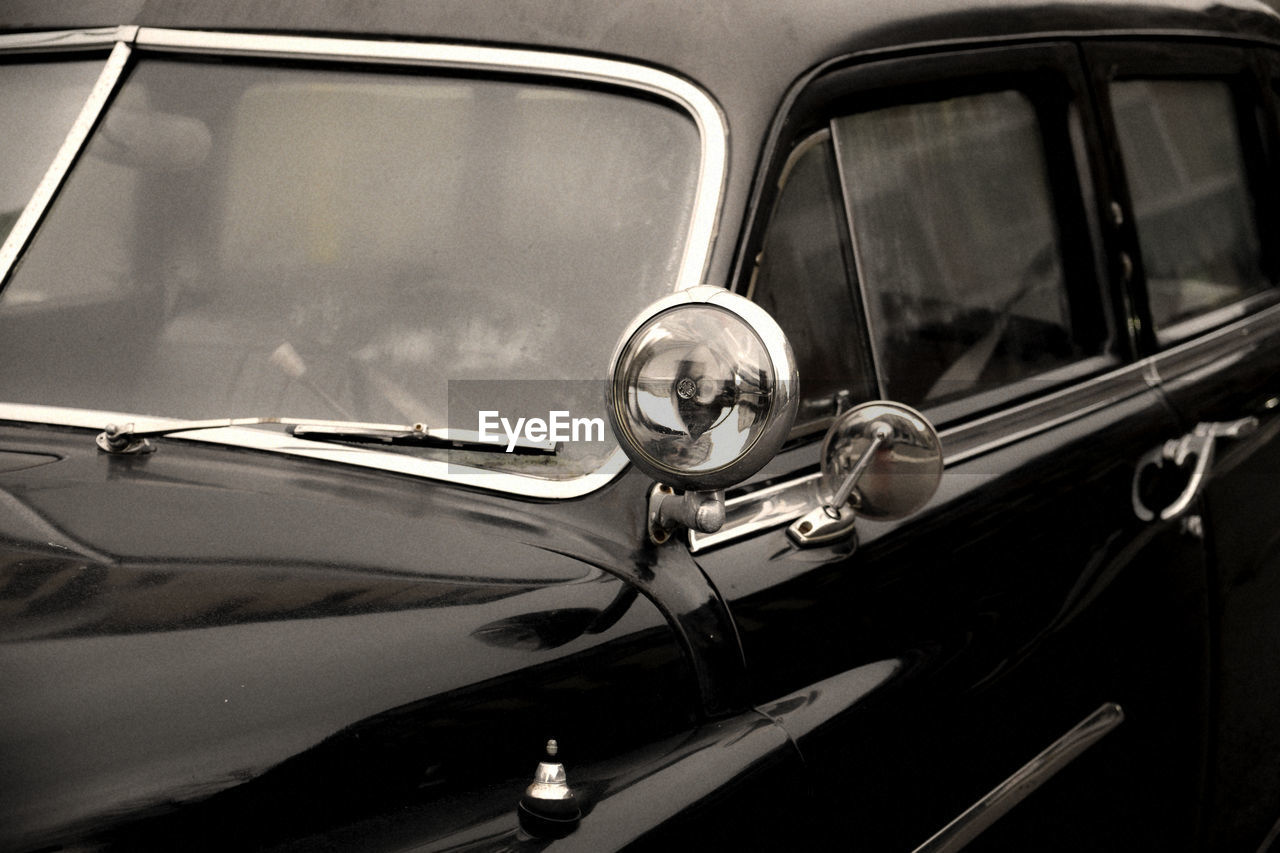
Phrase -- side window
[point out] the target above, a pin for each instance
(960, 246)
(1181, 148)
(803, 280)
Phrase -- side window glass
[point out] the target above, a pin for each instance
(958, 246)
(1182, 156)
(803, 280)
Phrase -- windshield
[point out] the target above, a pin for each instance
(39, 101)
(358, 245)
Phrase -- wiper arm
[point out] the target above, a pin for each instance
(128, 439)
(419, 436)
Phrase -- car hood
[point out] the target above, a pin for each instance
(188, 633)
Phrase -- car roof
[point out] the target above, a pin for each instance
(706, 41)
(746, 53)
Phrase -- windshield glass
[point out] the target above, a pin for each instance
(39, 101)
(358, 245)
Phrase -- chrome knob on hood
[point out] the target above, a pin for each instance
(549, 808)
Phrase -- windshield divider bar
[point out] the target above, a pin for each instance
(16, 243)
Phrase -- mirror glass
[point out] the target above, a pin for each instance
(904, 470)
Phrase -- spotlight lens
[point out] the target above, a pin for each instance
(695, 391)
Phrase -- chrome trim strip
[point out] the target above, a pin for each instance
(1272, 837)
(1232, 339)
(784, 502)
(997, 802)
(61, 40)
(761, 510)
(998, 429)
(713, 136)
(277, 442)
(57, 172)
(706, 114)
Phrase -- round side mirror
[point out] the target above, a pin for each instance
(902, 473)
(881, 461)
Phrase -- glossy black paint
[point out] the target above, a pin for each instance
(1059, 600)
(1241, 508)
(1232, 378)
(225, 646)
(220, 648)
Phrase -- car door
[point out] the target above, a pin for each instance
(938, 239)
(1194, 137)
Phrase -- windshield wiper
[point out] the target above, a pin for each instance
(129, 439)
(419, 436)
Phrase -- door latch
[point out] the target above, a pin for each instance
(1198, 443)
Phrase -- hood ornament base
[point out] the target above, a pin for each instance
(549, 808)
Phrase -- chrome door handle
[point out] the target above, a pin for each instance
(1199, 443)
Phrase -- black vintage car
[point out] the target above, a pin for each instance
(938, 504)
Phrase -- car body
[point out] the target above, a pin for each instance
(1048, 227)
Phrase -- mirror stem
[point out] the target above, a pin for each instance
(880, 433)
(833, 521)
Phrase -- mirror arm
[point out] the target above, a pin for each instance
(669, 510)
(880, 433)
(834, 520)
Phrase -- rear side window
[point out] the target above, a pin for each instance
(1180, 142)
(959, 247)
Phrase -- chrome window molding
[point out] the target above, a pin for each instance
(1193, 327)
(704, 111)
(713, 160)
(786, 501)
(1231, 341)
(38, 204)
(66, 40)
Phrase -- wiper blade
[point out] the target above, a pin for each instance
(129, 439)
(416, 436)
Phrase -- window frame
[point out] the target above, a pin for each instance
(1243, 70)
(1052, 77)
(790, 485)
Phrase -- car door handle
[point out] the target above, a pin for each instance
(1198, 443)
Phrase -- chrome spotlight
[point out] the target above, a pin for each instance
(703, 391)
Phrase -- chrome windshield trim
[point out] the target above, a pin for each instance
(999, 800)
(75, 139)
(713, 160)
(279, 442)
(704, 111)
(60, 40)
